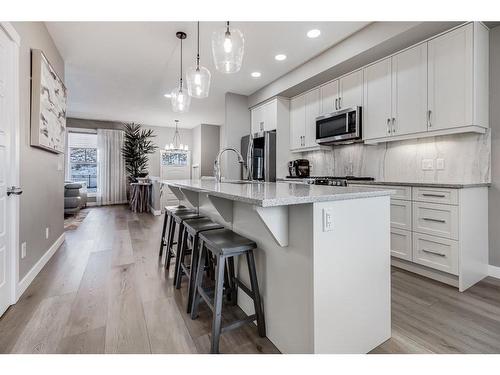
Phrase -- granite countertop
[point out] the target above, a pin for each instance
(424, 184)
(270, 194)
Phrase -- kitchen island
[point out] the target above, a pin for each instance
(323, 258)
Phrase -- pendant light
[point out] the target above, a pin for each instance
(176, 144)
(198, 78)
(227, 49)
(179, 97)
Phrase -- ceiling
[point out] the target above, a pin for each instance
(121, 70)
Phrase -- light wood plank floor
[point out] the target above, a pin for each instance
(104, 291)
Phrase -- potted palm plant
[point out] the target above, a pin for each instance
(137, 147)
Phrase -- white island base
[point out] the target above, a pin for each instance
(327, 291)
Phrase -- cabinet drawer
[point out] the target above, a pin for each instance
(400, 192)
(400, 214)
(435, 252)
(435, 195)
(436, 219)
(401, 244)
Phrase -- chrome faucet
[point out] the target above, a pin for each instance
(217, 172)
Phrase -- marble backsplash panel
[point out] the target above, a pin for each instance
(467, 159)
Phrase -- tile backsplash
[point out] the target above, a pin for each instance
(466, 159)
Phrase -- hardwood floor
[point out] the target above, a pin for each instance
(104, 291)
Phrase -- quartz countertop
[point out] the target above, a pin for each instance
(424, 184)
(270, 194)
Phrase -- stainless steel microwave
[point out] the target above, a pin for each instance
(339, 127)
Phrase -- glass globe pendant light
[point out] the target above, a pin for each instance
(228, 46)
(179, 97)
(198, 78)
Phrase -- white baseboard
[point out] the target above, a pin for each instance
(26, 281)
(154, 212)
(494, 271)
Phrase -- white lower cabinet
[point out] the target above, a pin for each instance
(401, 246)
(435, 252)
(441, 233)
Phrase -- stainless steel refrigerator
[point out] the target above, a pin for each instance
(259, 152)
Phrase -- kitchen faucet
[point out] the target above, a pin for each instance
(217, 172)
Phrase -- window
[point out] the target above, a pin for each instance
(82, 158)
(174, 158)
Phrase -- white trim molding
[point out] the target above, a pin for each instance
(30, 276)
(494, 271)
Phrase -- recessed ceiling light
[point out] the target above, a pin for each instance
(280, 57)
(314, 33)
(255, 74)
(167, 96)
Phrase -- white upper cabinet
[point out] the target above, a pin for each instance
(351, 90)
(329, 97)
(409, 91)
(312, 111)
(297, 122)
(377, 100)
(264, 117)
(450, 79)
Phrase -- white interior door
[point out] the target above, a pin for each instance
(6, 129)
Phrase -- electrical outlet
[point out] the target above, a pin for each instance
(327, 220)
(439, 164)
(23, 250)
(47, 233)
(427, 164)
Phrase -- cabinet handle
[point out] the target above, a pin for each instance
(336, 104)
(433, 195)
(388, 126)
(340, 102)
(433, 252)
(429, 113)
(393, 125)
(435, 220)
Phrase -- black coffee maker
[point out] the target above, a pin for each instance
(299, 168)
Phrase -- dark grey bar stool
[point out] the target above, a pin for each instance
(178, 218)
(192, 229)
(167, 223)
(224, 245)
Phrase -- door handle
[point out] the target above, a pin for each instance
(388, 126)
(429, 113)
(14, 190)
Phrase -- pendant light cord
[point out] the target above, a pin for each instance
(181, 63)
(198, 54)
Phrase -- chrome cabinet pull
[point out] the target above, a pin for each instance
(435, 220)
(433, 252)
(388, 126)
(340, 102)
(14, 190)
(337, 104)
(433, 195)
(429, 113)
(393, 126)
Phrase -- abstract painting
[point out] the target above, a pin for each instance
(48, 105)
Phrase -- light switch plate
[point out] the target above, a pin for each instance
(23, 250)
(427, 164)
(439, 164)
(327, 220)
(47, 233)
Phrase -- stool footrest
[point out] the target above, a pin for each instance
(238, 323)
(246, 289)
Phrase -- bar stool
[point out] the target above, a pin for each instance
(192, 229)
(177, 219)
(224, 245)
(168, 213)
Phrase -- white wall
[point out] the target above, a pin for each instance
(236, 125)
